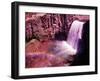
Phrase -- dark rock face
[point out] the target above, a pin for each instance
(51, 25)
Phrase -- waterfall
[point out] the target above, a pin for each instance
(66, 49)
(75, 33)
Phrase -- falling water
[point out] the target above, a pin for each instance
(75, 33)
(68, 48)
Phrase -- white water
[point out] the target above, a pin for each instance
(68, 48)
(75, 33)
